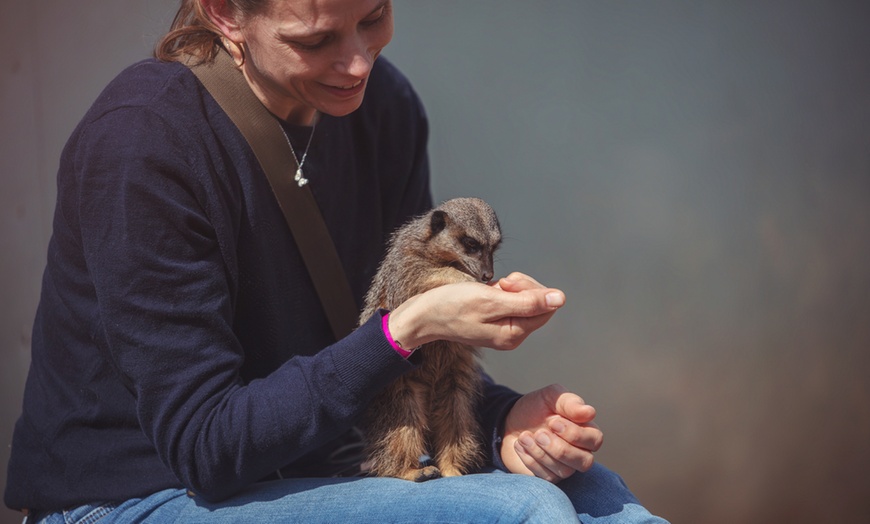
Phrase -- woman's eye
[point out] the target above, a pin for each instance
(376, 17)
(309, 46)
(312, 45)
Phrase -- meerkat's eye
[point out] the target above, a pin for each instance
(471, 245)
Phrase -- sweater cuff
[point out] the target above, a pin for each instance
(498, 401)
(498, 436)
(365, 361)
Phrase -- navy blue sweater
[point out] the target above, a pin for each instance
(179, 341)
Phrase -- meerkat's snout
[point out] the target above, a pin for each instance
(487, 269)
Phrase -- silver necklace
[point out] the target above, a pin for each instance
(300, 176)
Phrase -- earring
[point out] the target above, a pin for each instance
(236, 50)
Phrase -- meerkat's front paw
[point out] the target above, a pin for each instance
(422, 474)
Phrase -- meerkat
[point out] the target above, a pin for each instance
(431, 410)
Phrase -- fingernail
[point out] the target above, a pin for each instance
(555, 299)
(557, 427)
(526, 441)
(543, 439)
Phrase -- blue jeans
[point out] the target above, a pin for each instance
(597, 496)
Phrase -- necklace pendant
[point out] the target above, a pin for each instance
(300, 178)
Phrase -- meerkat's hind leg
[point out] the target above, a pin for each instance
(458, 451)
(397, 454)
(397, 433)
(454, 427)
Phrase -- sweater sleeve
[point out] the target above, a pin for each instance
(165, 299)
(497, 403)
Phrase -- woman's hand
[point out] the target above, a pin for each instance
(498, 316)
(549, 433)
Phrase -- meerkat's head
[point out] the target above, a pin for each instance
(464, 233)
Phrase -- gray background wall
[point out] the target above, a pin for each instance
(694, 175)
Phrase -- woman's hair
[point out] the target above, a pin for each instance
(193, 32)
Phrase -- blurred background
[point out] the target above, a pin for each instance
(694, 175)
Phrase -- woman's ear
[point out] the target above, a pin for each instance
(223, 17)
(226, 21)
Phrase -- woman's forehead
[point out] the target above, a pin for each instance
(313, 12)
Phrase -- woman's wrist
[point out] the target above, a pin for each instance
(405, 325)
(396, 344)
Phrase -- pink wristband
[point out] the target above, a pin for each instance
(385, 325)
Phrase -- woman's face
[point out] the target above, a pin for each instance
(307, 55)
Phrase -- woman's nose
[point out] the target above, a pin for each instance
(357, 59)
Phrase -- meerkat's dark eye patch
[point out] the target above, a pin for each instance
(471, 245)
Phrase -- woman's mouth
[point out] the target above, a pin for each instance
(347, 90)
(358, 82)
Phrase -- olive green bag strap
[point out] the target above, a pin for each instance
(228, 86)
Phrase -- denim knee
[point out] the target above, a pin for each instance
(521, 498)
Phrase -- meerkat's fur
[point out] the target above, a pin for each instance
(431, 410)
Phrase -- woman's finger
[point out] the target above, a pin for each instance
(517, 281)
(586, 436)
(539, 463)
(563, 457)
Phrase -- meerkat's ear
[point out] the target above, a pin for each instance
(438, 222)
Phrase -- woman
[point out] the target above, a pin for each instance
(182, 366)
